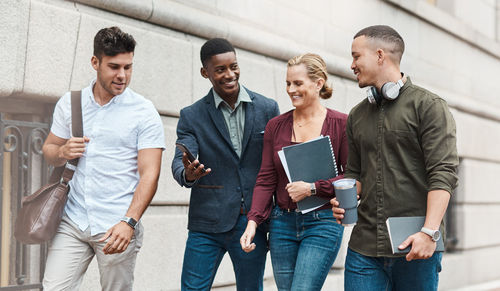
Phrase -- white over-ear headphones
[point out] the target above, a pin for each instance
(389, 91)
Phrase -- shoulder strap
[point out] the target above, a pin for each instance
(65, 173)
(76, 118)
(76, 113)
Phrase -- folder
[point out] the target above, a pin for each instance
(310, 161)
(400, 228)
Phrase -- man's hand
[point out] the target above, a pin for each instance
(193, 170)
(338, 212)
(57, 151)
(298, 190)
(422, 246)
(246, 239)
(73, 148)
(119, 237)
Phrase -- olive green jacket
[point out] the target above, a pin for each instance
(399, 150)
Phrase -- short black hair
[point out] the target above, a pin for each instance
(215, 46)
(386, 34)
(111, 41)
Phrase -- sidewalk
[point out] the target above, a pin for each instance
(488, 286)
(335, 282)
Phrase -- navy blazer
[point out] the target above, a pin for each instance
(215, 201)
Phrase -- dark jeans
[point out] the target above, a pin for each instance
(303, 248)
(365, 273)
(204, 252)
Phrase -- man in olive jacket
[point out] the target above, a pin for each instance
(402, 152)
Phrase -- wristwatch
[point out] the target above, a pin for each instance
(434, 234)
(130, 221)
(313, 189)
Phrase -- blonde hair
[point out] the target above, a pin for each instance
(316, 69)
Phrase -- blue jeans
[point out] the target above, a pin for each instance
(365, 273)
(303, 248)
(204, 252)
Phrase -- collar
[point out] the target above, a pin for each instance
(115, 99)
(242, 97)
(406, 84)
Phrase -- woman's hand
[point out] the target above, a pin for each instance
(298, 190)
(246, 239)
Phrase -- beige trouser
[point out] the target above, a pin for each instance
(72, 250)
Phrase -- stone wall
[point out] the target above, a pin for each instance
(46, 47)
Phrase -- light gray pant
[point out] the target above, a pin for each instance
(72, 250)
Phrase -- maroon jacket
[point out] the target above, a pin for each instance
(272, 177)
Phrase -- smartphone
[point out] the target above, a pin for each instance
(183, 148)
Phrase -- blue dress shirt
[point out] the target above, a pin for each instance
(106, 177)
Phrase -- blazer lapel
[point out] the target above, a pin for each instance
(217, 118)
(249, 122)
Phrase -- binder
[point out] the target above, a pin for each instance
(310, 161)
(400, 228)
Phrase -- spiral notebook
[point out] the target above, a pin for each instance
(310, 161)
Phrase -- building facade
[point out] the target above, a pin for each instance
(452, 49)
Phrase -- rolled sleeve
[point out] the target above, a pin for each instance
(438, 140)
(61, 121)
(151, 134)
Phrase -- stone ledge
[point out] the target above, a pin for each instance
(204, 24)
(200, 23)
(448, 23)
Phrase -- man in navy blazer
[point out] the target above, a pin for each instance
(225, 129)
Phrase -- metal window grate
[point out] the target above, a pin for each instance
(22, 170)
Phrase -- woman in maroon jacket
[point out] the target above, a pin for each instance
(303, 246)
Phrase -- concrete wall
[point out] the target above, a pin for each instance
(46, 47)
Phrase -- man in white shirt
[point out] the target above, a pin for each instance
(117, 173)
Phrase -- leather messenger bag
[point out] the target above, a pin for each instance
(41, 212)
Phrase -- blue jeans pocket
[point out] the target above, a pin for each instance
(276, 212)
(324, 215)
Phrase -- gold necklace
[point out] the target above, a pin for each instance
(304, 124)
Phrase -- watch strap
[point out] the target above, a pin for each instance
(313, 189)
(434, 234)
(130, 221)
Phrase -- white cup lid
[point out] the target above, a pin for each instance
(344, 183)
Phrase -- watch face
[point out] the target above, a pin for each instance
(130, 221)
(436, 235)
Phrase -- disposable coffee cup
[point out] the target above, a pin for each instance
(346, 193)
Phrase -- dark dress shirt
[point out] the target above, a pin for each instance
(399, 150)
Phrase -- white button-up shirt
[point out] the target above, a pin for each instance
(106, 177)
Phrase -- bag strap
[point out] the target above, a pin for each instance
(76, 113)
(77, 130)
